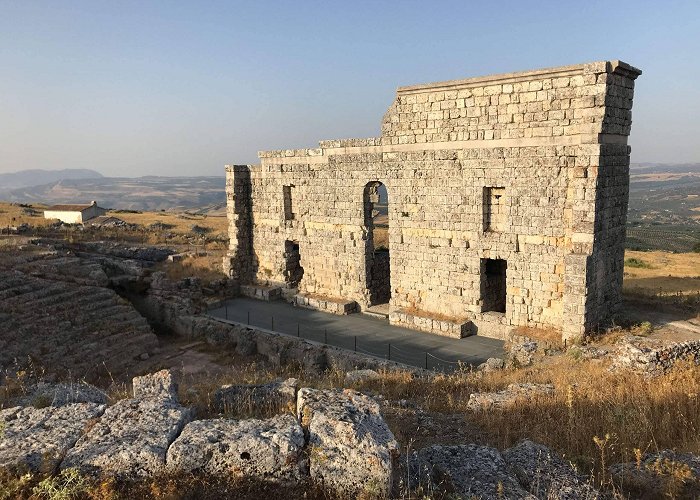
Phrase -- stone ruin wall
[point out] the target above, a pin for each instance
(553, 142)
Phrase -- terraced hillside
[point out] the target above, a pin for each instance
(56, 313)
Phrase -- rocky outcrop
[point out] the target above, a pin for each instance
(545, 474)
(273, 397)
(351, 448)
(272, 449)
(133, 436)
(37, 439)
(664, 474)
(338, 438)
(512, 394)
(469, 471)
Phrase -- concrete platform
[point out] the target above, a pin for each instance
(361, 333)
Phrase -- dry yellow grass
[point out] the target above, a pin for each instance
(667, 273)
(181, 222)
(14, 215)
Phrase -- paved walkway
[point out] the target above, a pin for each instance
(361, 333)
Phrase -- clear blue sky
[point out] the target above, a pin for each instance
(181, 88)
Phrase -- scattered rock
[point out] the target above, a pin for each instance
(545, 474)
(508, 396)
(356, 376)
(36, 439)
(492, 364)
(158, 385)
(351, 448)
(521, 351)
(264, 449)
(468, 471)
(657, 475)
(275, 396)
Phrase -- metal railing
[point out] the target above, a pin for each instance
(368, 344)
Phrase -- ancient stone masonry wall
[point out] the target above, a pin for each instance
(527, 168)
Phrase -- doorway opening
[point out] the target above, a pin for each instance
(493, 285)
(293, 272)
(377, 258)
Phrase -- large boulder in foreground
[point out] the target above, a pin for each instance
(133, 436)
(351, 448)
(269, 449)
(36, 439)
(468, 471)
(545, 474)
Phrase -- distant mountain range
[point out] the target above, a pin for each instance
(26, 178)
(141, 193)
(650, 167)
(206, 194)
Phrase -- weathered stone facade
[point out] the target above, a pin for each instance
(507, 204)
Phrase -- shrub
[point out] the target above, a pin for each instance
(634, 262)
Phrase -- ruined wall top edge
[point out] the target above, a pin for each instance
(614, 66)
(592, 100)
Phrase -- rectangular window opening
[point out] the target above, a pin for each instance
(493, 285)
(287, 197)
(494, 209)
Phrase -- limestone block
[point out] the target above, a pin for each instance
(271, 449)
(351, 448)
(155, 385)
(36, 439)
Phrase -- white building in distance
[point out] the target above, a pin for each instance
(74, 214)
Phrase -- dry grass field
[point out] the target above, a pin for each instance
(662, 273)
(181, 222)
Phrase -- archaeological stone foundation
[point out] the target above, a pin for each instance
(507, 202)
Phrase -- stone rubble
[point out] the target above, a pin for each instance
(545, 474)
(482, 401)
(351, 448)
(272, 449)
(470, 471)
(652, 356)
(654, 469)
